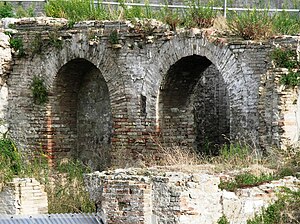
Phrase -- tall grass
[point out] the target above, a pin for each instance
(66, 193)
(199, 15)
(6, 10)
(63, 184)
(75, 10)
(286, 23)
(251, 25)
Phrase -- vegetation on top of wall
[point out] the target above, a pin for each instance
(63, 182)
(199, 16)
(39, 91)
(284, 210)
(245, 180)
(286, 23)
(287, 58)
(6, 10)
(250, 25)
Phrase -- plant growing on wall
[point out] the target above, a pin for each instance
(287, 58)
(39, 91)
(114, 37)
(223, 220)
(17, 45)
(55, 40)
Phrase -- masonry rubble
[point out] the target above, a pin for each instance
(23, 196)
(156, 195)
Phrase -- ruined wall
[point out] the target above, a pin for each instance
(150, 196)
(173, 88)
(278, 105)
(23, 196)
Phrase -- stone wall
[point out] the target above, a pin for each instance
(176, 88)
(5, 69)
(150, 196)
(278, 105)
(23, 196)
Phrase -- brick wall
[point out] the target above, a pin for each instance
(140, 196)
(107, 103)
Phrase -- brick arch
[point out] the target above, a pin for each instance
(80, 118)
(40, 124)
(230, 74)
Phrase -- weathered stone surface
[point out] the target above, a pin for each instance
(183, 89)
(5, 69)
(23, 196)
(138, 196)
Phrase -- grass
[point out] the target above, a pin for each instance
(250, 25)
(286, 23)
(245, 180)
(6, 10)
(63, 183)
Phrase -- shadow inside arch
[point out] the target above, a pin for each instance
(194, 106)
(81, 117)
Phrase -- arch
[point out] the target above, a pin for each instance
(94, 72)
(81, 118)
(181, 55)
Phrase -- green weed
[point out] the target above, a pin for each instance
(6, 10)
(199, 16)
(114, 37)
(10, 160)
(17, 45)
(284, 210)
(223, 220)
(63, 183)
(68, 186)
(290, 79)
(251, 25)
(245, 180)
(286, 23)
(285, 58)
(21, 12)
(39, 91)
(75, 10)
(171, 17)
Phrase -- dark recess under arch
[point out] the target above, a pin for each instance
(81, 114)
(194, 105)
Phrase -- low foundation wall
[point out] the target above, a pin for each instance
(23, 196)
(140, 196)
